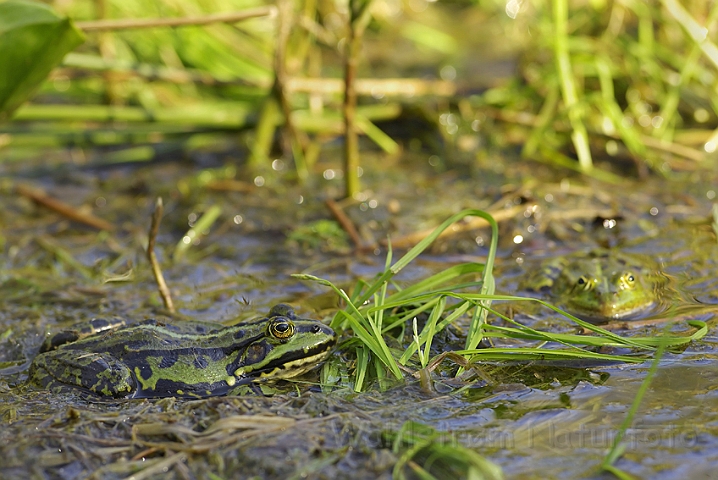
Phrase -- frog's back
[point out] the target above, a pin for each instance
(117, 360)
(185, 359)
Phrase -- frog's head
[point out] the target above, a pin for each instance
(289, 346)
(611, 293)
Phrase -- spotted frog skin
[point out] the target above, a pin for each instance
(601, 284)
(183, 359)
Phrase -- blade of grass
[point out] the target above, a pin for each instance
(543, 122)
(383, 141)
(202, 225)
(612, 110)
(435, 280)
(64, 256)
(423, 245)
(579, 136)
(589, 326)
(359, 325)
(361, 369)
(428, 333)
(422, 447)
(567, 338)
(430, 329)
(488, 286)
(617, 448)
(697, 32)
(524, 354)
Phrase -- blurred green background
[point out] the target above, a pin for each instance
(617, 85)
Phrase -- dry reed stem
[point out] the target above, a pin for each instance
(351, 136)
(358, 20)
(345, 222)
(128, 23)
(156, 269)
(408, 241)
(291, 141)
(401, 87)
(63, 208)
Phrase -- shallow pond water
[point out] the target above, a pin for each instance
(533, 420)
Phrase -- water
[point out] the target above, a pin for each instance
(535, 421)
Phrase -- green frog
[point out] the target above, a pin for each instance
(601, 284)
(183, 359)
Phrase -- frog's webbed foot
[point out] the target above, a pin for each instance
(99, 373)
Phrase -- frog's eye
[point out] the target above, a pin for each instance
(628, 280)
(583, 282)
(281, 328)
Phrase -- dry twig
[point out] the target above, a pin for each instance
(408, 241)
(63, 208)
(345, 222)
(156, 270)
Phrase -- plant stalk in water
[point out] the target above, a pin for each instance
(152, 257)
(359, 17)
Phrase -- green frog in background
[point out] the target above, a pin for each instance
(600, 284)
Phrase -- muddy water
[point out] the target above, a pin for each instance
(534, 421)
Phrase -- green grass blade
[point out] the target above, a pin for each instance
(365, 330)
(524, 354)
(199, 228)
(420, 247)
(361, 370)
(616, 449)
(441, 278)
(475, 333)
(579, 136)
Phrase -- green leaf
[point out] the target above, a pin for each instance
(33, 39)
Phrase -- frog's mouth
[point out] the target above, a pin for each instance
(294, 363)
(610, 310)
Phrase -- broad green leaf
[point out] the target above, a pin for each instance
(33, 40)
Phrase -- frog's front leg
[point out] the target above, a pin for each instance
(100, 373)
